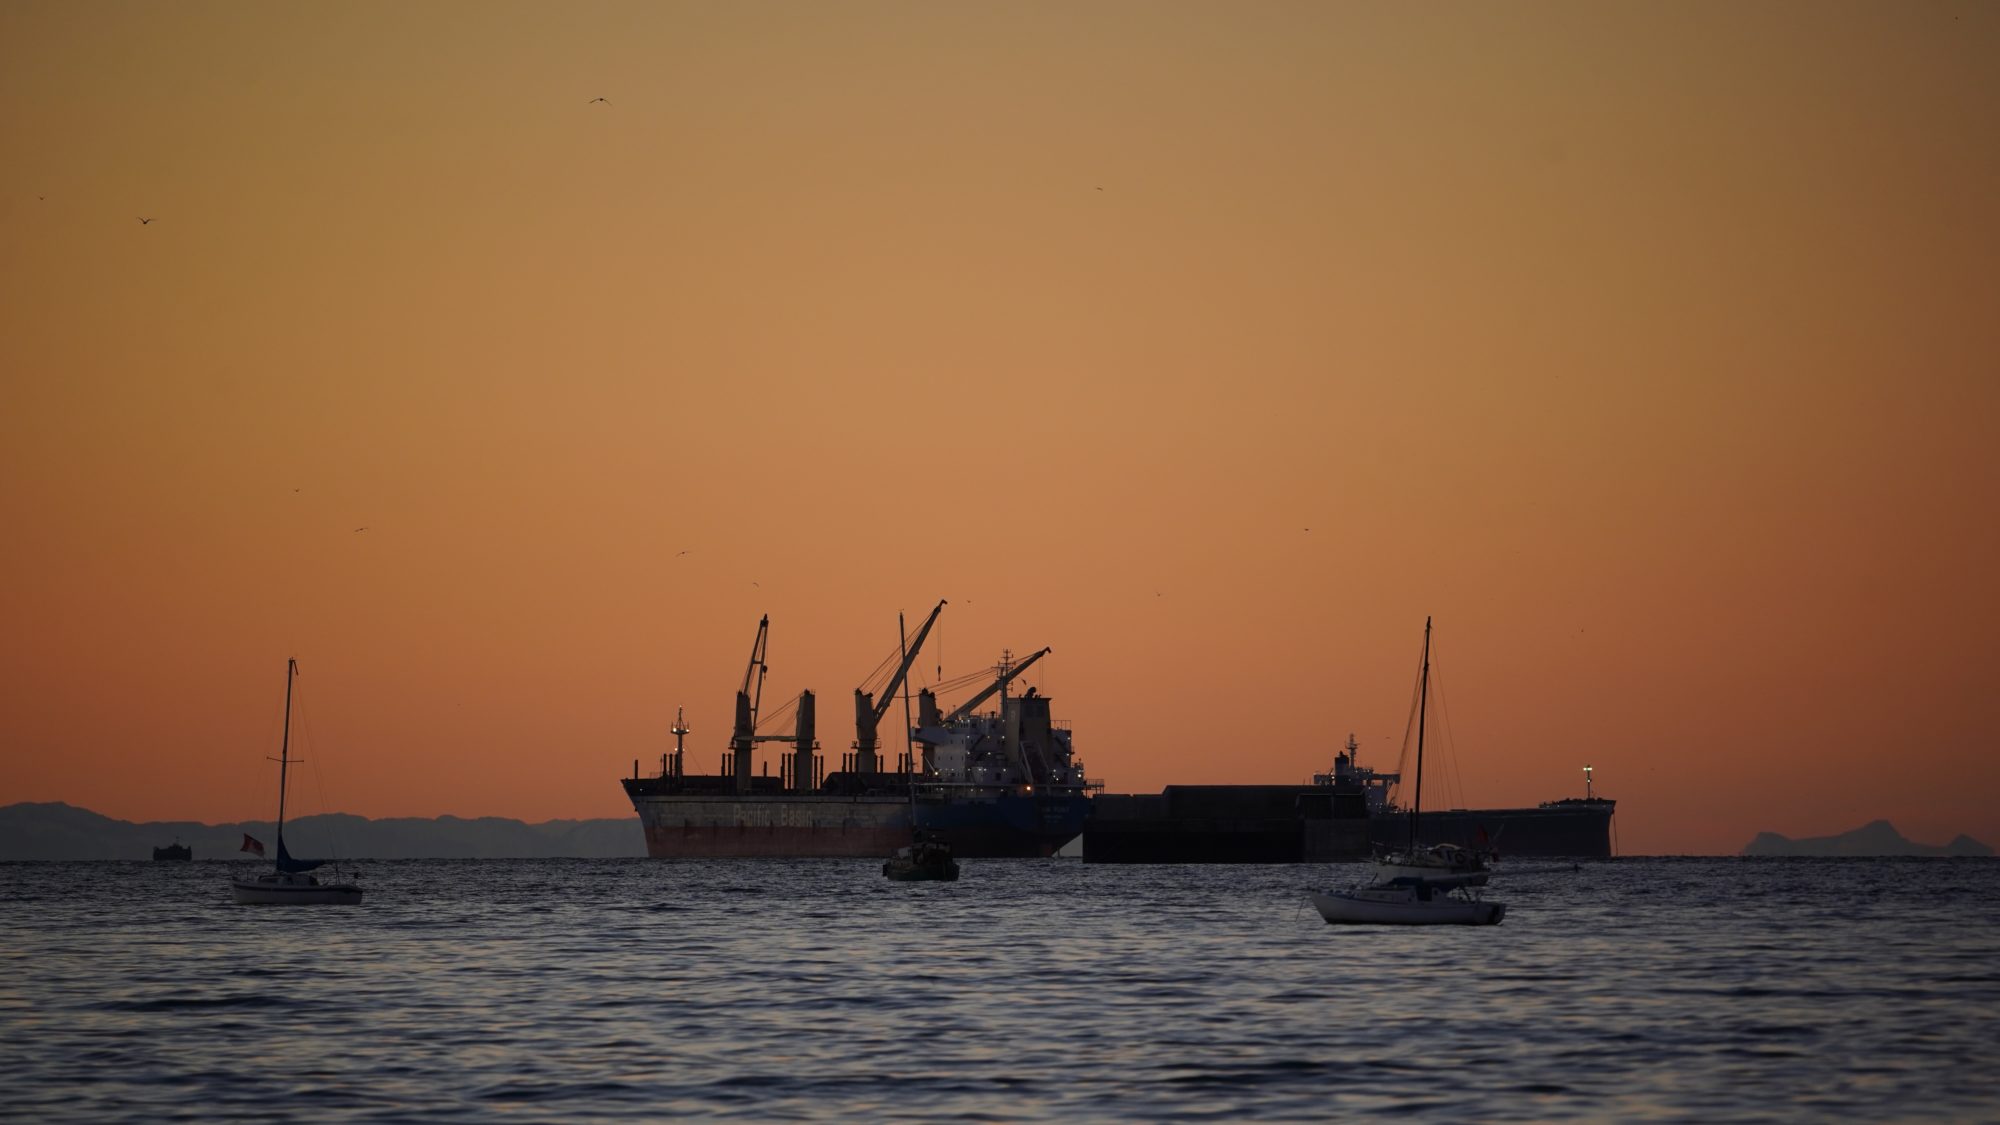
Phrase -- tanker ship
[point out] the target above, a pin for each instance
(1344, 814)
(999, 783)
(1577, 827)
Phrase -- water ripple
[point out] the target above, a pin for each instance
(1724, 990)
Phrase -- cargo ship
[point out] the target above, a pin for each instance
(1347, 813)
(989, 784)
(1571, 827)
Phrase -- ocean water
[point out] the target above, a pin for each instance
(589, 990)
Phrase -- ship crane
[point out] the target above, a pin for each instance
(868, 711)
(743, 739)
(934, 730)
(1006, 677)
(744, 736)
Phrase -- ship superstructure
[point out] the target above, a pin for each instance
(1003, 782)
(1348, 772)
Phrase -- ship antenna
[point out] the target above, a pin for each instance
(1589, 792)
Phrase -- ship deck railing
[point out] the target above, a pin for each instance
(943, 787)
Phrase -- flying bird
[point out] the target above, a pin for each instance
(678, 555)
(361, 529)
(144, 222)
(594, 101)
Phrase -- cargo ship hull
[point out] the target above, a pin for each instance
(804, 826)
(1229, 824)
(1004, 825)
(772, 827)
(1315, 823)
(1578, 829)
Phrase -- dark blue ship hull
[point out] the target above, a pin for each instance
(1002, 825)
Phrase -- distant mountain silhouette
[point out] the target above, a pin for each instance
(1877, 837)
(59, 831)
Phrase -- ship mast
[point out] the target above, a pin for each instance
(284, 759)
(680, 737)
(909, 729)
(1423, 698)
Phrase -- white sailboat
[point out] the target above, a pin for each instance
(1418, 860)
(289, 884)
(1408, 902)
(1418, 886)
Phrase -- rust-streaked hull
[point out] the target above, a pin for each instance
(778, 827)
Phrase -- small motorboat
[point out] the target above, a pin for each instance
(1408, 902)
(921, 861)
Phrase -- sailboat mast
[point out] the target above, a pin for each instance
(1423, 700)
(909, 742)
(285, 751)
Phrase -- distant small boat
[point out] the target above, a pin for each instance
(176, 851)
(1408, 902)
(289, 885)
(921, 861)
(290, 888)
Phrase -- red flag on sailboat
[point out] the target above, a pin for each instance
(251, 844)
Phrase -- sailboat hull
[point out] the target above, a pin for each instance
(293, 890)
(1404, 907)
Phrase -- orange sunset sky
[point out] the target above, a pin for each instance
(1652, 348)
